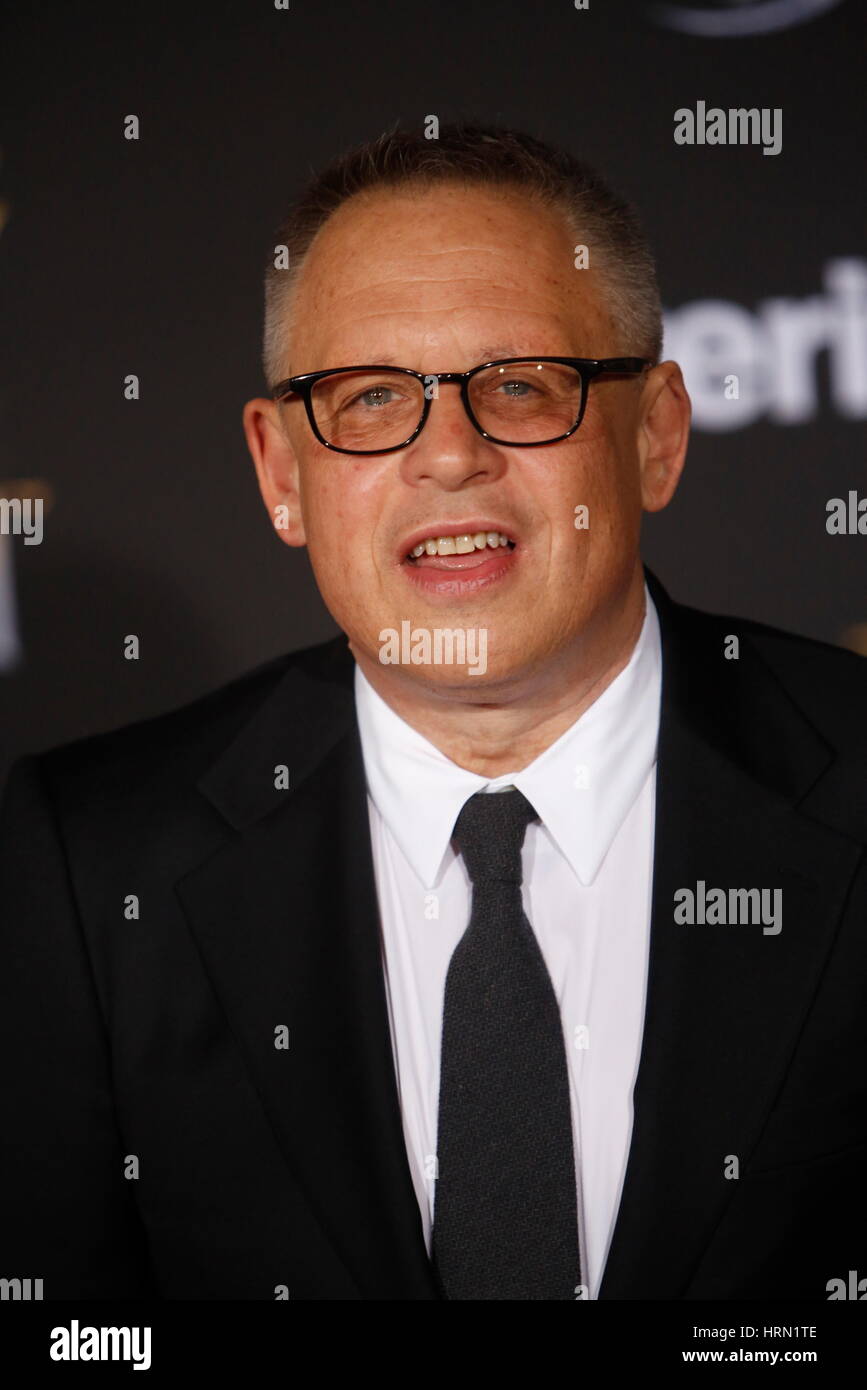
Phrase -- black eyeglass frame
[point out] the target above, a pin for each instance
(588, 369)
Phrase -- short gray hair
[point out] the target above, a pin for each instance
(480, 155)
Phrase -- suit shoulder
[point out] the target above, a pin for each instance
(828, 683)
(183, 741)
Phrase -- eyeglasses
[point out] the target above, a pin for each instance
(517, 401)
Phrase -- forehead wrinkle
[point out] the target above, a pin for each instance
(325, 290)
(455, 312)
(333, 293)
(425, 253)
(553, 274)
(341, 313)
(549, 340)
(400, 241)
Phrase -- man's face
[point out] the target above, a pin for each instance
(442, 280)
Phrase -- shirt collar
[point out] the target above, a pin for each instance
(582, 786)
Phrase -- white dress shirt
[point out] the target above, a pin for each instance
(587, 894)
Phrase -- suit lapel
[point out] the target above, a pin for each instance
(724, 1002)
(286, 920)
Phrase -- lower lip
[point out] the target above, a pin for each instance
(463, 574)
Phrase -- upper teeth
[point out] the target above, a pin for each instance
(458, 545)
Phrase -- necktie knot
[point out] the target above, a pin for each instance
(489, 832)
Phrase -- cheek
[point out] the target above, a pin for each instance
(583, 492)
(610, 469)
(341, 506)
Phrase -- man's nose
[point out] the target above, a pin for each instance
(449, 448)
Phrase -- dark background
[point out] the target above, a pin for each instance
(147, 256)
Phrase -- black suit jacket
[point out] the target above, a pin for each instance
(146, 1044)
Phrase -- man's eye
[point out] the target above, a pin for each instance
(516, 389)
(374, 397)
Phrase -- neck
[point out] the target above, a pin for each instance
(509, 724)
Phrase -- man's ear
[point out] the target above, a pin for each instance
(276, 468)
(663, 434)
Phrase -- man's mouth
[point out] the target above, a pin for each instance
(456, 550)
(457, 561)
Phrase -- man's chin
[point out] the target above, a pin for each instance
(445, 659)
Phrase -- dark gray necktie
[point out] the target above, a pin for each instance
(505, 1209)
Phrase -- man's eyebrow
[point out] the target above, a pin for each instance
(489, 353)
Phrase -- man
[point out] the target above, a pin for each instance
(527, 968)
